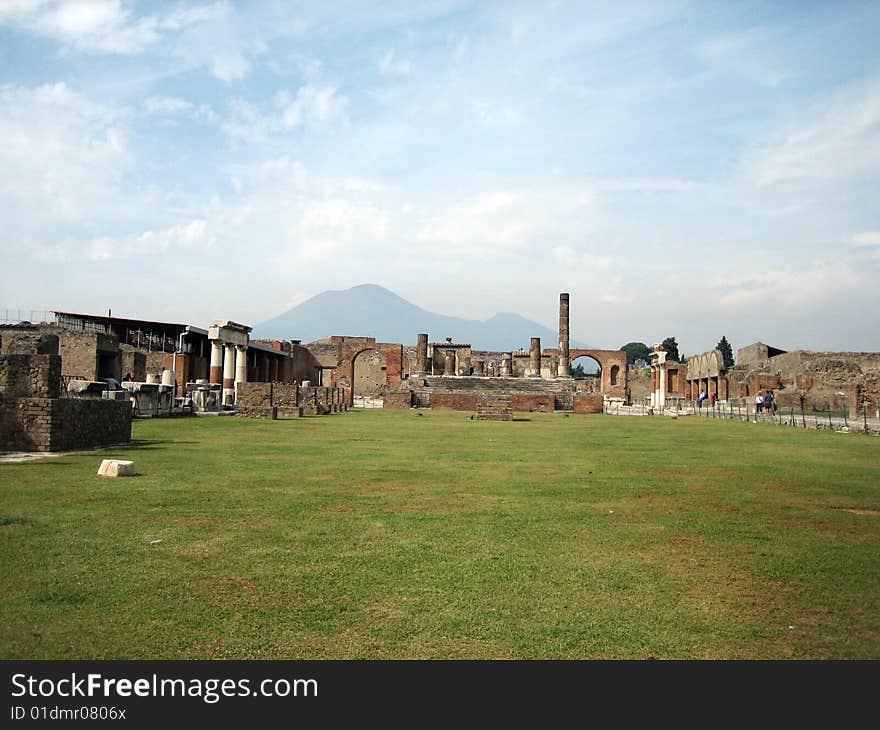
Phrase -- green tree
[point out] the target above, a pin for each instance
(671, 347)
(636, 351)
(577, 372)
(726, 351)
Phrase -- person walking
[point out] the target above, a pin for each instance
(759, 403)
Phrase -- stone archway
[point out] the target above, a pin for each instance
(368, 375)
(344, 373)
(613, 364)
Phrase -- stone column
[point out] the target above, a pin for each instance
(662, 378)
(240, 364)
(535, 358)
(478, 367)
(505, 365)
(229, 376)
(449, 363)
(421, 353)
(563, 335)
(216, 372)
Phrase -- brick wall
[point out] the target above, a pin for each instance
(494, 407)
(865, 396)
(454, 401)
(398, 400)
(587, 403)
(532, 402)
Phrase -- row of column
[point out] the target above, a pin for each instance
(506, 366)
(228, 367)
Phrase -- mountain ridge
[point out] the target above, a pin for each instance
(371, 310)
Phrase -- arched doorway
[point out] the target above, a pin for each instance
(587, 373)
(368, 378)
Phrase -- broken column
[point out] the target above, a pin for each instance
(449, 363)
(535, 358)
(240, 364)
(421, 353)
(563, 335)
(505, 364)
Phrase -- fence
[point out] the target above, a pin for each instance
(815, 418)
(35, 316)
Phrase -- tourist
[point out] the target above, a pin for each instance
(759, 403)
(127, 378)
(712, 399)
(769, 404)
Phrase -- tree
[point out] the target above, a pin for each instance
(636, 351)
(726, 352)
(577, 372)
(671, 347)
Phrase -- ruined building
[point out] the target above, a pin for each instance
(33, 414)
(450, 375)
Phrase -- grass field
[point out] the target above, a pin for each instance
(388, 534)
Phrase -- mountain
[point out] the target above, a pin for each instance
(373, 311)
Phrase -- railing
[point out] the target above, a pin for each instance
(815, 418)
(35, 316)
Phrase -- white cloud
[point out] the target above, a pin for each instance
(103, 26)
(173, 106)
(192, 236)
(313, 108)
(389, 65)
(838, 141)
(866, 239)
(62, 155)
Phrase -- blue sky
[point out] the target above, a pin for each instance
(693, 169)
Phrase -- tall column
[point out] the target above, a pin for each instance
(229, 376)
(661, 375)
(563, 335)
(421, 353)
(216, 372)
(241, 363)
(535, 357)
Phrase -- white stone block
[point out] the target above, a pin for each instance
(116, 468)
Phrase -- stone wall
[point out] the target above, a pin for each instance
(30, 376)
(864, 398)
(134, 362)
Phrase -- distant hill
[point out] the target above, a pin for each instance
(373, 311)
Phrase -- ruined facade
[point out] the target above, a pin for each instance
(824, 380)
(33, 414)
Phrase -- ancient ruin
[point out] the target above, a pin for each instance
(33, 414)
(78, 381)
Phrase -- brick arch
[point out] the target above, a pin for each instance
(607, 359)
(393, 354)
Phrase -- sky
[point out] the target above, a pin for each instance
(686, 169)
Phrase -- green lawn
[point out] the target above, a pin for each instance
(392, 534)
